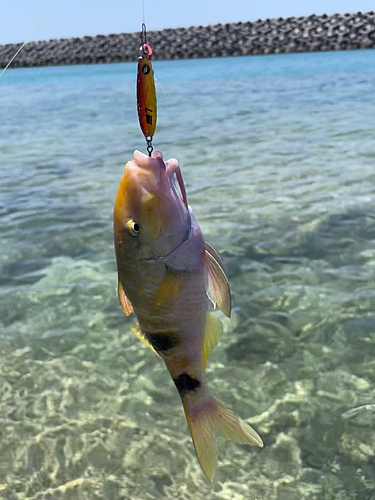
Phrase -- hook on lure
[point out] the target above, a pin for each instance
(146, 93)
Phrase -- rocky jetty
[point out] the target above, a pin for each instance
(294, 34)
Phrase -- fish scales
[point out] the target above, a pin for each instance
(170, 278)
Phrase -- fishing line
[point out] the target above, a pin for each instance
(28, 38)
(161, 86)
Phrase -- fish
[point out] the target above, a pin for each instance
(173, 280)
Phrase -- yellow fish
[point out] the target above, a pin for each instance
(172, 279)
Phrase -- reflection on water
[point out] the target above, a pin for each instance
(277, 154)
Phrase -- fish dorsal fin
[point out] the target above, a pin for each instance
(136, 329)
(212, 332)
(124, 301)
(217, 281)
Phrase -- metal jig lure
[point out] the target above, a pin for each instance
(146, 93)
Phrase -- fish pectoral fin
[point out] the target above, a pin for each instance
(124, 301)
(136, 329)
(169, 287)
(217, 281)
(212, 332)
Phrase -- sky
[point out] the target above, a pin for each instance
(77, 18)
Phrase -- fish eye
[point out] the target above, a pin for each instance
(133, 227)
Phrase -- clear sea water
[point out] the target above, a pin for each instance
(278, 156)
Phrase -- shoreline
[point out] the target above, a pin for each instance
(271, 36)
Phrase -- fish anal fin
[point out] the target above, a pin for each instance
(136, 329)
(214, 418)
(213, 330)
(217, 281)
(124, 301)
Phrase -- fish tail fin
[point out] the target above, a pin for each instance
(214, 418)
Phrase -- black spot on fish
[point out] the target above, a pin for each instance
(162, 341)
(185, 383)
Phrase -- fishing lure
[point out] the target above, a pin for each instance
(146, 93)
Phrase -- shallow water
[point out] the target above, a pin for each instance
(277, 154)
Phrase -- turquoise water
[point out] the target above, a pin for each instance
(277, 154)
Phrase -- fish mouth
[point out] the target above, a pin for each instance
(155, 164)
(154, 175)
(148, 162)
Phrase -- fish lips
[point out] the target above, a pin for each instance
(153, 199)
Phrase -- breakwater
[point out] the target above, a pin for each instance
(293, 34)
